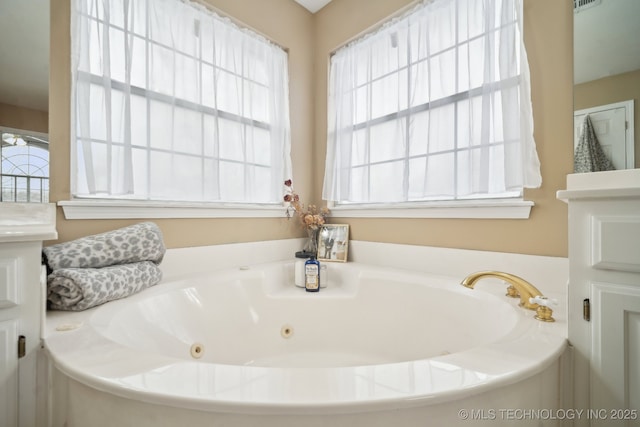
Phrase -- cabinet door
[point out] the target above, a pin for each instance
(8, 373)
(615, 351)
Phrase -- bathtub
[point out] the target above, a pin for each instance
(245, 347)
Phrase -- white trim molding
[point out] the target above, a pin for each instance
(471, 209)
(130, 209)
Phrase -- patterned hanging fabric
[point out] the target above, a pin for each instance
(589, 156)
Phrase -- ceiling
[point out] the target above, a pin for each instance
(606, 44)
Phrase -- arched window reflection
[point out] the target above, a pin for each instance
(24, 168)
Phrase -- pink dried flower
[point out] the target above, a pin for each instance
(310, 217)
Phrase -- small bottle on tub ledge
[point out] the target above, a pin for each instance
(299, 266)
(312, 275)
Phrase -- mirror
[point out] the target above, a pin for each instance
(607, 76)
(24, 54)
(24, 100)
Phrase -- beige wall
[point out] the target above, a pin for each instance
(284, 22)
(608, 90)
(310, 39)
(548, 39)
(15, 117)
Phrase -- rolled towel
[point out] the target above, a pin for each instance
(138, 242)
(77, 289)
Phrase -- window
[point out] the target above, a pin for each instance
(173, 102)
(24, 168)
(434, 106)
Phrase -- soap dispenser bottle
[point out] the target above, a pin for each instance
(299, 268)
(312, 275)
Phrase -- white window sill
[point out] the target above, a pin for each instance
(128, 209)
(469, 209)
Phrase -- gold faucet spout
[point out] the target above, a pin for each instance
(524, 288)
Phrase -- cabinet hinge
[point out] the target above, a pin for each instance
(22, 346)
(586, 310)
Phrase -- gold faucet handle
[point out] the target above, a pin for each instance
(512, 292)
(543, 312)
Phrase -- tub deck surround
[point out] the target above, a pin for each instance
(549, 274)
(104, 349)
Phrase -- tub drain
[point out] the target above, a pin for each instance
(197, 350)
(286, 331)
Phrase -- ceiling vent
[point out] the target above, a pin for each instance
(580, 5)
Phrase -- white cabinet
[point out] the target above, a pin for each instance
(604, 294)
(23, 227)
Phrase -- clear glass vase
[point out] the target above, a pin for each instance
(311, 245)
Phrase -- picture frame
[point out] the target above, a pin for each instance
(333, 242)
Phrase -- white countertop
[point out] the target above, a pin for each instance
(23, 222)
(617, 184)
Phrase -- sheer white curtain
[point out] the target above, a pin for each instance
(435, 105)
(173, 102)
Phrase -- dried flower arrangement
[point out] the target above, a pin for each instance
(311, 217)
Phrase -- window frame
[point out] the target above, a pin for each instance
(44, 190)
(508, 205)
(99, 206)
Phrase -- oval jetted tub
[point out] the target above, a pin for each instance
(245, 347)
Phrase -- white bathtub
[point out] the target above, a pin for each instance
(245, 347)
